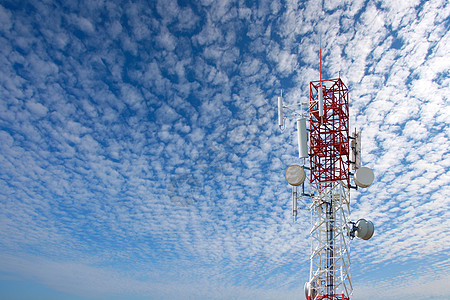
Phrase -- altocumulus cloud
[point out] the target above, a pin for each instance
(141, 158)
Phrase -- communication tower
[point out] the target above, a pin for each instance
(330, 169)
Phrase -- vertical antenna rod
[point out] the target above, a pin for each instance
(320, 62)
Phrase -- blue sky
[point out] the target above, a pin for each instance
(140, 155)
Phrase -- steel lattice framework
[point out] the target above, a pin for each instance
(330, 207)
(329, 133)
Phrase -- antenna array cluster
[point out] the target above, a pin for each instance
(328, 152)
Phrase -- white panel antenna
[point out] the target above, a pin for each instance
(280, 112)
(320, 100)
(302, 138)
(356, 151)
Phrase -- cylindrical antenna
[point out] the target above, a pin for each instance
(280, 112)
(320, 100)
(294, 201)
(302, 138)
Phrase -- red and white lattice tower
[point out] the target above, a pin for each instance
(330, 145)
(330, 191)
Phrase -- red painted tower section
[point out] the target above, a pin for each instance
(329, 163)
(329, 135)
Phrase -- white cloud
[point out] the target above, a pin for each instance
(151, 143)
(37, 109)
(6, 139)
(166, 39)
(82, 23)
(5, 17)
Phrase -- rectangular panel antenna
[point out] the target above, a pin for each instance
(302, 138)
(356, 151)
(320, 100)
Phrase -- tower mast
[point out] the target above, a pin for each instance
(329, 183)
(330, 146)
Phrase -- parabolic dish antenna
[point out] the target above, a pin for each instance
(310, 291)
(295, 175)
(364, 229)
(363, 177)
(306, 290)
